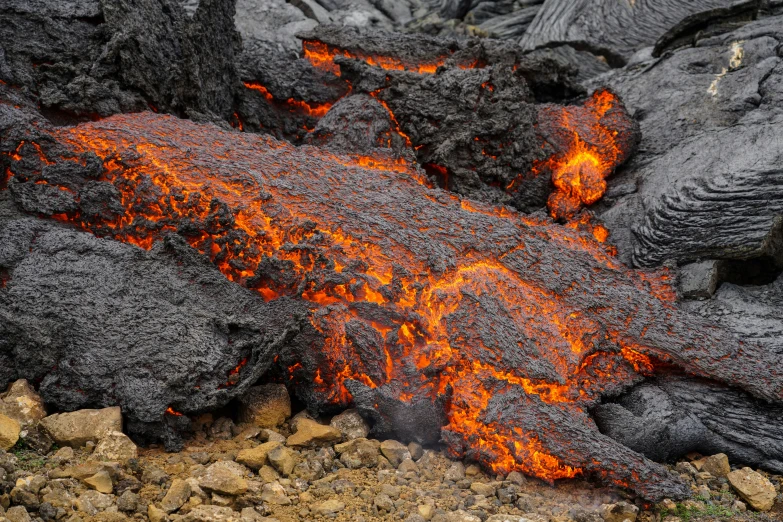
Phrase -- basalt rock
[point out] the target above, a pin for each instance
(604, 27)
(682, 198)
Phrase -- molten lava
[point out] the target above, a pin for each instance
(592, 141)
(515, 326)
(322, 56)
(317, 110)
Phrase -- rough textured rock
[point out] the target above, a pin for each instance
(754, 488)
(716, 465)
(394, 451)
(682, 197)
(350, 424)
(311, 433)
(115, 446)
(22, 403)
(107, 57)
(266, 406)
(9, 432)
(256, 458)
(179, 492)
(224, 478)
(672, 416)
(77, 428)
(149, 299)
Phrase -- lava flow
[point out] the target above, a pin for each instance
(506, 327)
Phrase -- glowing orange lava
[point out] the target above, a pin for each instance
(322, 56)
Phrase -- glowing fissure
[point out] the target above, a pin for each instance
(253, 218)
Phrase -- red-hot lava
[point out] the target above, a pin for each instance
(590, 141)
(417, 292)
(322, 56)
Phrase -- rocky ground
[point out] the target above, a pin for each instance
(268, 466)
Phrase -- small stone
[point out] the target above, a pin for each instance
(255, 458)
(63, 455)
(329, 507)
(739, 506)
(383, 503)
(154, 475)
(99, 500)
(283, 460)
(265, 406)
(221, 429)
(704, 492)
(472, 470)
(455, 473)
(156, 514)
(620, 512)
(101, 482)
(36, 438)
(668, 504)
(416, 451)
(223, 478)
(686, 468)
(358, 453)
(310, 433)
(18, 514)
(22, 403)
(717, 465)
(251, 515)
(408, 465)
(395, 451)
(115, 446)
(211, 514)
(515, 477)
(462, 516)
(128, 502)
(426, 511)
(268, 474)
(351, 425)
(754, 488)
(392, 491)
(77, 428)
(274, 493)
(481, 488)
(271, 436)
(176, 496)
(9, 432)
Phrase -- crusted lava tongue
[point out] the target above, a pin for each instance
(412, 292)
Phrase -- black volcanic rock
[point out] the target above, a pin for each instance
(707, 181)
(617, 29)
(671, 416)
(86, 59)
(100, 323)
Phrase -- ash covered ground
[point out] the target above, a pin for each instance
(541, 236)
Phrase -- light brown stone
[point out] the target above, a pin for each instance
(266, 406)
(223, 478)
(115, 446)
(156, 514)
(22, 403)
(77, 428)
(716, 465)
(310, 433)
(754, 488)
(9, 432)
(255, 458)
(176, 496)
(100, 482)
(395, 451)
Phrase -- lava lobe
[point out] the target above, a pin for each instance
(438, 317)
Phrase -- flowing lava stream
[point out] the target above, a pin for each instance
(515, 325)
